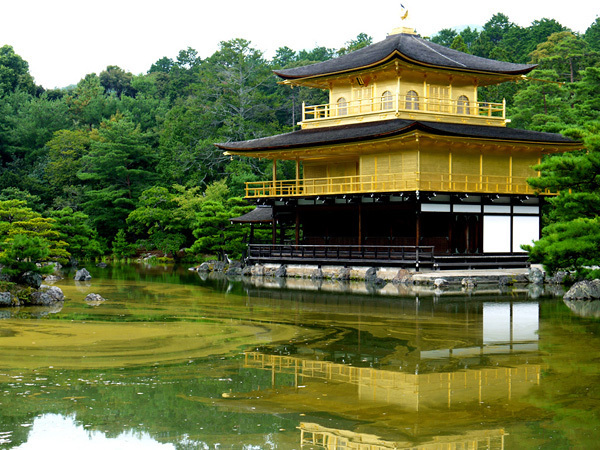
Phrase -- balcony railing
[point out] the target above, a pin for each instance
(401, 103)
(391, 182)
(346, 254)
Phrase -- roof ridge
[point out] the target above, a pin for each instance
(422, 42)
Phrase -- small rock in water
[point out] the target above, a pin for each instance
(469, 282)
(82, 275)
(7, 299)
(584, 290)
(94, 299)
(47, 295)
(535, 276)
(440, 282)
(403, 277)
(50, 278)
(281, 271)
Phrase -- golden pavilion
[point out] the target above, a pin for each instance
(404, 165)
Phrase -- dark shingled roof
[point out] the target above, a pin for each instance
(407, 47)
(260, 214)
(388, 128)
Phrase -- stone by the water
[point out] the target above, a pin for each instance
(93, 299)
(46, 296)
(281, 271)
(584, 290)
(82, 275)
(51, 278)
(7, 299)
(440, 282)
(535, 276)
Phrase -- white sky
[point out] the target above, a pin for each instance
(63, 40)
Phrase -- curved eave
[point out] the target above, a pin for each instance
(263, 148)
(396, 54)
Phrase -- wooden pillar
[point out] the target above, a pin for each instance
(251, 239)
(274, 227)
(297, 226)
(510, 174)
(297, 176)
(359, 222)
(418, 226)
(274, 177)
(512, 221)
(450, 226)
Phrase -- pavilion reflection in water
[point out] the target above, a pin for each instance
(312, 434)
(499, 363)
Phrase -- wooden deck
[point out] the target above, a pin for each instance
(380, 256)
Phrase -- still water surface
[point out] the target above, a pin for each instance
(172, 360)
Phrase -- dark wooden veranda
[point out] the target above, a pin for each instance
(378, 255)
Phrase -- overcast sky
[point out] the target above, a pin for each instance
(63, 40)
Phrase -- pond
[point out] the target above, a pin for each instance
(175, 360)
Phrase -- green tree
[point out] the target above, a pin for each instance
(65, 150)
(494, 32)
(469, 36)
(362, 40)
(14, 73)
(592, 35)
(75, 230)
(116, 170)
(88, 105)
(31, 124)
(586, 96)
(562, 52)
(24, 254)
(542, 105)
(444, 37)
(459, 44)
(572, 238)
(238, 81)
(16, 218)
(120, 247)
(116, 81)
(186, 154)
(153, 219)
(26, 123)
(212, 229)
(13, 193)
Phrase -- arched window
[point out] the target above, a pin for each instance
(342, 106)
(412, 100)
(387, 101)
(462, 105)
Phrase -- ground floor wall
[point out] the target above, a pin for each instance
(453, 224)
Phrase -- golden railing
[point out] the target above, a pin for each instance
(400, 103)
(390, 182)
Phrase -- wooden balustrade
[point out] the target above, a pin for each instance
(343, 254)
(399, 103)
(391, 182)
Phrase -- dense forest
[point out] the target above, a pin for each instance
(123, 163)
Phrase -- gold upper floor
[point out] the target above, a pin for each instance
(399, 91)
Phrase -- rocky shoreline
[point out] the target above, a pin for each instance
(385, 275)
(35, 293)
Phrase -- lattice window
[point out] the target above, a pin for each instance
(412, 100)
(342, 106)
(387, 101)
(439, 98)
(462, 105)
